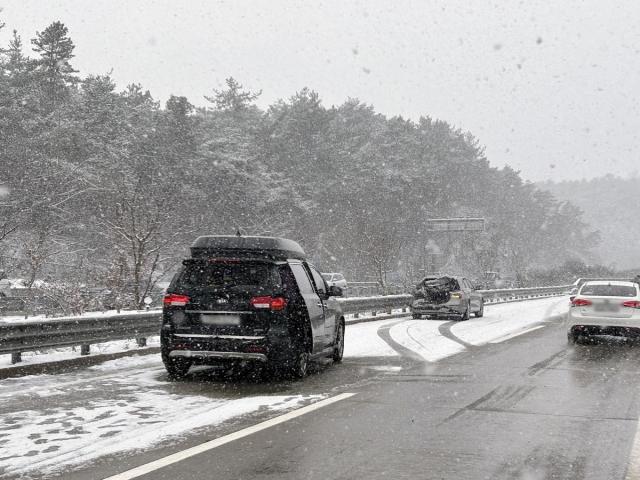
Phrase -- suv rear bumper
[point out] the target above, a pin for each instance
(221, 355)
(219, 348)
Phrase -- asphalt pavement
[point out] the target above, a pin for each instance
(530, 407)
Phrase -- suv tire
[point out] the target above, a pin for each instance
(299, 366)
(480, 312)
(177, 368)
(338, 349)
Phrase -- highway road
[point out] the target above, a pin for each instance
(500, 397)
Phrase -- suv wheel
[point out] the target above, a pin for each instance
(176, 367)
(338, 349)
(480, 312)
(299, 365)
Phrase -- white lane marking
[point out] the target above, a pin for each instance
(633, 469)
(203, 447)
(515, 334)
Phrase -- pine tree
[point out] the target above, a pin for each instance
(56, 73)
(233, 98)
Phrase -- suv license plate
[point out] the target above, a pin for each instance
(220, 319)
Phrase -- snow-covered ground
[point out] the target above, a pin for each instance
(424, 338)
(132, 407)
(505, 320)
(362, 340)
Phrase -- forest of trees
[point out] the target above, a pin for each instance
(106, 187)
(610, 204)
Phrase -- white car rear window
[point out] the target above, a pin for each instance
(609, 291)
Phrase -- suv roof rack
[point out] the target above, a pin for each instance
(226, 245)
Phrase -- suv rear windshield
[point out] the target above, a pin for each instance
(247, 276)
(609, 290)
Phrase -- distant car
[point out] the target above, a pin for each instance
(241, 300)
(335, 279)
(604, 308)
(446, 296)
(496, 280)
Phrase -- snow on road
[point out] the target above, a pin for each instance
(362, 340)
(424, 338)
(505, 320)
(48, 422)
(129, 406)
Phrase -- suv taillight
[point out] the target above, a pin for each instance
(173, 300)
(580, 302)
(631, 304)
(267, 302)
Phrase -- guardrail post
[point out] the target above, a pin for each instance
(142, 341)
(373, 313)
(16, 357)
(85, 349)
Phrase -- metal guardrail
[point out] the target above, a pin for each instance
(513, 294)
(359, 289)
(372, 305)
(18, 337)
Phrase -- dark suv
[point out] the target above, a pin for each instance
(240, 299)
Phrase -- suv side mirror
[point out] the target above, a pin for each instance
(334, 291)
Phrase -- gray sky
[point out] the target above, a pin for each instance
(550, 88)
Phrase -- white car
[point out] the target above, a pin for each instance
(604, 308)
(335, 279)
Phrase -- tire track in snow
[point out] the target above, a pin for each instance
(383, 333)
(445, 331)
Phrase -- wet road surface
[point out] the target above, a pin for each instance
(528, 407)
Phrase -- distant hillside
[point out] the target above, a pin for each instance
(612, 206)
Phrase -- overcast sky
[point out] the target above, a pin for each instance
(550, 88)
